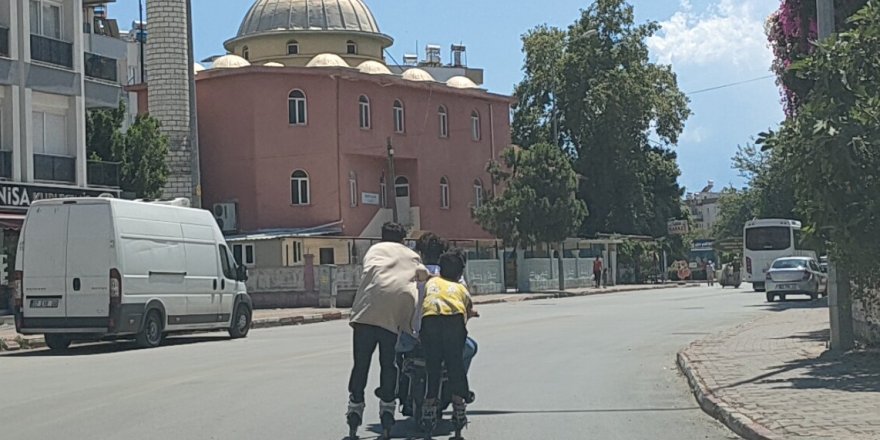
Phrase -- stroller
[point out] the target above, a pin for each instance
(413, 387)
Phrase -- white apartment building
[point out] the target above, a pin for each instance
(57, 58)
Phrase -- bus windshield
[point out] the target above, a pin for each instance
(771, 238)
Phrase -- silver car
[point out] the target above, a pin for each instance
(796, 276)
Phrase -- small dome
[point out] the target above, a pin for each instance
(327, 60)
(230, 62)
(374, 68)
(198, 68)
(461, 82)
(273, 64)
(417, 75)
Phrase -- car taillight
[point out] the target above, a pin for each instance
(115, 286)
(18, 287)
(749, 265)
(768, 277)
(807, 276)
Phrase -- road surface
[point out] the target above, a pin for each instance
(600, 367)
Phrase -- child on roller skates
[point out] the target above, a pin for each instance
(445, 310)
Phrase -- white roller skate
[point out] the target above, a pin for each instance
(354, 416)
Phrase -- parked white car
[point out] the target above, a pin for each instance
(795, 276)
(100, 268)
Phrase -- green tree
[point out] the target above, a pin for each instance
(141, 150)
(538, 202)
(735, 208)
(832, 145)
(592, 90)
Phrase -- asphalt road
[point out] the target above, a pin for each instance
(600, 367)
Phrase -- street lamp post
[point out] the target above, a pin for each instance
(393, 180)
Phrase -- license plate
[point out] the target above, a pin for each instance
(786, 286)
(44, 303)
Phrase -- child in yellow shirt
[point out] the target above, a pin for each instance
(445, 311)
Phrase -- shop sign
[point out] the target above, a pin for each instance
(20, 196)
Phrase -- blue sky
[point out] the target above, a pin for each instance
(708, 42)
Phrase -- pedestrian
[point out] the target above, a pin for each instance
(383, 308)
(710, 273)
(445, 312)
(597, 271)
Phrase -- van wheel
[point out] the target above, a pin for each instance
(57, 342)
(151, 334)
(241, 322)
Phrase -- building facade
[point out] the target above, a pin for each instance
(58, 58)
(704, 207)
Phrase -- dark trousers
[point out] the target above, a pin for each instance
(598, 276)
(366, 337)
(443, 339)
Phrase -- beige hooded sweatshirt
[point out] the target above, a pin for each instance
(388, 293)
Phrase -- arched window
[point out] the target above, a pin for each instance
(299, 188)
(401, 187)
(444, 193)
(399, 122)
(351, 47)
(383, 191)
(478, 193)
(475, 126)
(364, 106)
(353, 188)
(297, 110)
(246, 53)
(293, 47)
(443, 115)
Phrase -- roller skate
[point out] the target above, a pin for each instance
(459, 418)
(354, 416)
(429, 418)
(386, 415)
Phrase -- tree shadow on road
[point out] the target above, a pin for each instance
(781, 306)
(857, 372)
(103, 348)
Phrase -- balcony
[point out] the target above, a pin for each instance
(52, 51)
(100, 67)
(4, 42)
(5, 164)
(54, 168)
(105, 174)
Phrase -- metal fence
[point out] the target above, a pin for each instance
(52, 51)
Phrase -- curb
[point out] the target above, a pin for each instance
(736, 421)
(38, 342)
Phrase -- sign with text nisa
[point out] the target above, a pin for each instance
(677, 227)
(20, 195)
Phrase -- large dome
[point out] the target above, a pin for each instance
(308, 15)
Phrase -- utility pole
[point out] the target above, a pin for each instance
(839, 287)
(141, 37)
(393, 180)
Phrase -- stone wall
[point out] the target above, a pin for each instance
(168, 75)
(866, 319)
(485, 276)
(542, 274)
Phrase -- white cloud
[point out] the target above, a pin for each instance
(728, 31)
(694, 135)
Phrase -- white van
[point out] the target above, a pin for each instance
(101, 268)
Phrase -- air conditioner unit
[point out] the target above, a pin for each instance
(225, 213)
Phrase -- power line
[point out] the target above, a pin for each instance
(733, 84)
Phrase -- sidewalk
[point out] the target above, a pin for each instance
(773, 379)
(10, 340)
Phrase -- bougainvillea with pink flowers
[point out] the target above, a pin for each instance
(792, 32)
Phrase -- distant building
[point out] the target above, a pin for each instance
(704, 207)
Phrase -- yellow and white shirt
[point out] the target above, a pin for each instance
(444, 298)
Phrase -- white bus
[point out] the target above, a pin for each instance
(765, 240)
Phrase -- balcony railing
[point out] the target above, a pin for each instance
(4, 42)
(52, 51)
(103, 174)
(54, 168)
(6, 164)
(100, 67)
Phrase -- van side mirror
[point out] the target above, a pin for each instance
(242, 273)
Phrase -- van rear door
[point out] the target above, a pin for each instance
(44, 264)
(89, 255)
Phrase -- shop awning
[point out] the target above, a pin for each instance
(11, 221)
